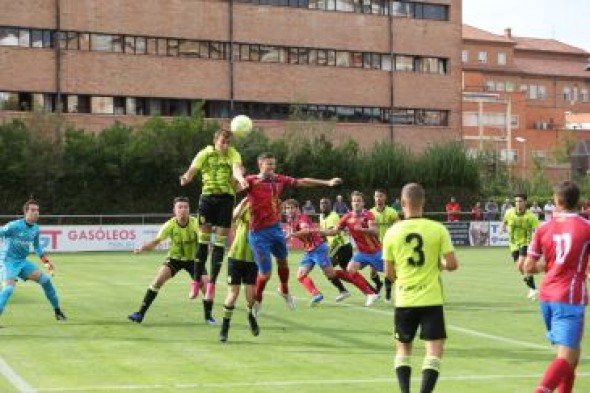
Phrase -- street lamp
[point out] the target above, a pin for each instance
(522, 140)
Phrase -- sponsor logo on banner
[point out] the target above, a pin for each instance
(497, 238)
(459, 232)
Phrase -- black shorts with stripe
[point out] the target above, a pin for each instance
(241, 272)
(216, 209)
(342, 256)
(430, 319)
(194, 268)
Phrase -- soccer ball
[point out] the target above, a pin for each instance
(241, 125)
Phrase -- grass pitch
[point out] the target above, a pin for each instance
(496, 337)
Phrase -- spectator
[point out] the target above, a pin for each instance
(536, 210)
(491, 209)
(548, 210)
(505, 206)
(397, 206)
(308, 209)
(453, 210)
(477, 212)
(585, 210)
(340, 206)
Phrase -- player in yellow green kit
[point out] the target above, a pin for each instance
(240, 269)
(521, 223)
(182, 230)
(414, 253)
(340, 247)
(219, 164)
(385, 217)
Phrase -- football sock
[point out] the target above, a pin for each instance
(357, 280)
(284, 278)
(260, 285)
(210, 292)
(567, 384)
(228, 311)
(203, 249)
(149, 297)
(338, 284)
(5, 295)
(207, 308)
(49, 290)
(388, 285)
(217, 256)
(378, 283)
(557, 372)
(308, 285)
(403, 370)
(430, 371)
(530, 282)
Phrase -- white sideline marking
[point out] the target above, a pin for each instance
(294, 383)
(16, 380)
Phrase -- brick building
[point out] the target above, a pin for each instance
(537, 83)
(387, 70)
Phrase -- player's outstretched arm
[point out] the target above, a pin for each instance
(48, 265)
(311, 182)
(449, 261)
(531, 266)
(238, 209)
(188, 176)
(238, 172)
(147, 246)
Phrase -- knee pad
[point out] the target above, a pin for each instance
(43, 279)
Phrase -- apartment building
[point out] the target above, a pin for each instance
(536, 83)
(388, 71)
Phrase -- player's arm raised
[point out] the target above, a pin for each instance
(238, 172)
(311, 182)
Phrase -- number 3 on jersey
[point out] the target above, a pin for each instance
(417, 249)
(563, 244)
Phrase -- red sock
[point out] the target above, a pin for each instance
(260, 285)
(284, 278)
(356, 279)
(554, 375)
(308, 285)
(567, 384)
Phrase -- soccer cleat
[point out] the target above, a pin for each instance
(532, 295)
(289, 299)
(253, 325)
(194, 290)
(342, 296)
(256, 309)
(223, 334)
(136, 317)
(210, 321)
(59, 315)
(387, 300)
(316, 299)
(372, 299)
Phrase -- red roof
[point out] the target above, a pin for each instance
(475, 34)
(555, 67)
(546, 45)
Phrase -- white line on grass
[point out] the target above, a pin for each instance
(233, 385)
(16, 380)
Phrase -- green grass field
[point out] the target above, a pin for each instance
(496, 338)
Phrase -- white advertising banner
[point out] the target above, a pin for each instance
(497, 238)
(72, 238)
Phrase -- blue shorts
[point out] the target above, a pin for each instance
(265, 242)
(375, 260)
(564, 322)
(13, 269)
(319, 255)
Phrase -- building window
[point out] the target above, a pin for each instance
(567, 94)
(501, 58)
(465, 56)
(8, 36)
(482, 57)
(584, 95)
(404, 63)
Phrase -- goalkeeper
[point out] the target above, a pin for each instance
(18, 236)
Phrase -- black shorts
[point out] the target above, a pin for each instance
(431, 320)
(216, 209)
(239, 272)
(194, 268)
(342, 256)
(521, 252)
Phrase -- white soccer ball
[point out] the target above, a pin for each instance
(241, 125)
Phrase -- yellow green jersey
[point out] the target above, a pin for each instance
(183, 240)
(217, 169)
(240, 249)
(331, 221)
(520, 227)
(414, 247)
(384, 219)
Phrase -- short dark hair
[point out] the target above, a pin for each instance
(265, 155)
(520, 195)
(222, 132)
(180, 199)
(28, 203)
(567, 193)
(291, 202)
(357, 193)
(414, 194)
(381, 190)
